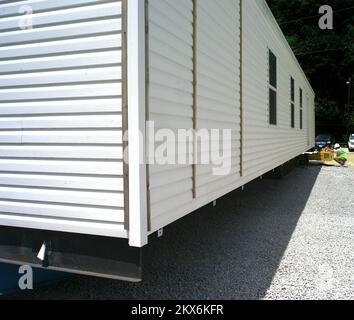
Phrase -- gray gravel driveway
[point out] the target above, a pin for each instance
(278, 239)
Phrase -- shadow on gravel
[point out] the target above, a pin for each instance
(231, 251)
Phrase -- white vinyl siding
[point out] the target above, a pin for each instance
(170, 99)
(279, 144)
(171, 95)
(61, 117)
(218, 83)
(265, 146)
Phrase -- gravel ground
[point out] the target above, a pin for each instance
(278, 239)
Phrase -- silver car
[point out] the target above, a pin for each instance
(351, 142)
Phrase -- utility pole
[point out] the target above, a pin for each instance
(349, 83)
(349, 106)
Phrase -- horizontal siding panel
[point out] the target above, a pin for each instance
(175, 122)
(12, 8)
(108, 229)
(59, 122)
(163, 193)
(64, 212)
(60, 32)
(170, 108)
(78, 60)
(58, 77)
(169, 66)
(164, 49)
(98, 11)
(68, 167)
(179, 14)
(62, 137)
(62, 182)
(61, 92)
(178, 200)
(68, 46)
(61, 152)
(170, 94)
(59, 196)
(61, 107)
(170, 176)
(163, 78)
(177, 43)
(155, 168)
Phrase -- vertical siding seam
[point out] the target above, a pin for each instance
(147, 104)
(241, 88)
(125, 112)
(195, 154)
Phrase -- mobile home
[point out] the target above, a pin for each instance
(90, 90)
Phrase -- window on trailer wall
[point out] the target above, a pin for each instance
(272, 84)
(301, 108)
(292, 102)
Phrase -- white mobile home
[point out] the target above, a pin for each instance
(84, 83)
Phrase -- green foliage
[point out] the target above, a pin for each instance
(348, 120)
(327, 56)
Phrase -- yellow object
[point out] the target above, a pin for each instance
(322, 156)
(326, 156)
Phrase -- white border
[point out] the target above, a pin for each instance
(138, 224)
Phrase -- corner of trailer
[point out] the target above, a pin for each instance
(76, 92)
(64, 184)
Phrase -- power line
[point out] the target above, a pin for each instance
(315, 16)
(320, 51)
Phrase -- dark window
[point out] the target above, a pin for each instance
(272, 60)
(272, 69)
(292, 101)
(301, 121)
(272, 107)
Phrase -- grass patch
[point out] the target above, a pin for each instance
(351, 159)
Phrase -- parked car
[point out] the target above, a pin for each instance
(351, 142)
(324, 140)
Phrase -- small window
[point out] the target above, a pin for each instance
(272, 69)
(272, 85)
(301, 109)
(292, 102)
(292, 90)
(272, 107)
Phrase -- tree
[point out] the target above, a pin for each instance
(327, 56)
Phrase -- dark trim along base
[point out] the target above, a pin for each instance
(81, 254)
